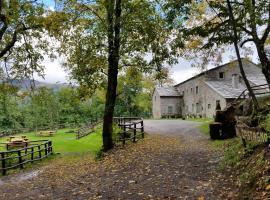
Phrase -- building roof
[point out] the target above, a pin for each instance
(212, 69)
(257, 79)
(225, 88)
(167, 92)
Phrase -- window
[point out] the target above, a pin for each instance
(183, 93)
(170, 109)
(191, 90)
(218, 107)
(197, 89)
(155, 98)
(240, 79)
(192, 107)
(209, 106)
(221, 75)
(197, 107)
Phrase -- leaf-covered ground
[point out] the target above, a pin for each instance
(159, 167)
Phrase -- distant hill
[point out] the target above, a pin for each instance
(26, 84)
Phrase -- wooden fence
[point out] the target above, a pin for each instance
(255, 134)
(17, 158)
(259, 90)
(86, 130)
(132, 129)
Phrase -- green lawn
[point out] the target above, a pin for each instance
(66, 143)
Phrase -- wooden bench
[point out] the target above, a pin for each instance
(46, 133)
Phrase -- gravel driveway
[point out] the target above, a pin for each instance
(175, 161)
(181, 128)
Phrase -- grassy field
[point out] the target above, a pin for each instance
(66, 143)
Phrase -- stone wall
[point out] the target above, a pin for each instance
(201, 101)
(174, 103)
(156, 109)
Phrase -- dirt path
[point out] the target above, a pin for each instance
(174, 162)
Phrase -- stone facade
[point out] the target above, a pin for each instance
(200, 95)
(167, 104)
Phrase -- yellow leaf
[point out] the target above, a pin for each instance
(267, 187)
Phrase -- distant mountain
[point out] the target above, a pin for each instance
(26, 84)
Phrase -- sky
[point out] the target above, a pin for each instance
(179, 72)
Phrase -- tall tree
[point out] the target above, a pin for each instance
(116, 35)
(114, 9)
(254, 22)
(235, 42)
(207, 28)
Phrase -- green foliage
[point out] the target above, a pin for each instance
(235, 152)
(46, 109)
(23, 42)
(266, 123)
(10, 115)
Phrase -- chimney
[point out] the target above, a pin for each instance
(235, 81)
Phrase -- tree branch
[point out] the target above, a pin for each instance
(245, 41)
(12, 42)
(267, 30)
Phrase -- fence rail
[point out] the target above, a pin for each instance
(259, 90)
(14, 131)
(132, 128)
(86, 129)
(36, 150)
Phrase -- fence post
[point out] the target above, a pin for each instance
(50, 146)
(134, 133)
(124, 135)
(46, 150)
(3, 163)
(20, 159)
(32, 154)
(39, 152)
(142, 129)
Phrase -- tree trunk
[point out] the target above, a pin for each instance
(259, 43)
(113, 34)
(264, 61)
(235, 42)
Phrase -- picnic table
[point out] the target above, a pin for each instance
(17, 141)
(46, 133)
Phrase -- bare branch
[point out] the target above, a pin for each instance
(245, 41)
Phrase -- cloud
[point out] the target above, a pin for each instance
(54, 72)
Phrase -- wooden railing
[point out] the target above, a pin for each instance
(17, 158)
(132, 129)
(259, 90)
(86, 130)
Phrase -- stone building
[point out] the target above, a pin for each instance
(200, 95)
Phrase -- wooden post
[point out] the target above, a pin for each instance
(124, 135)
(50, 145)
(39, 151)
(134, 133)
(46, 150)
(244, 142)
(4, 171)
(142, 129)
(20, 159)
(32, 154)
